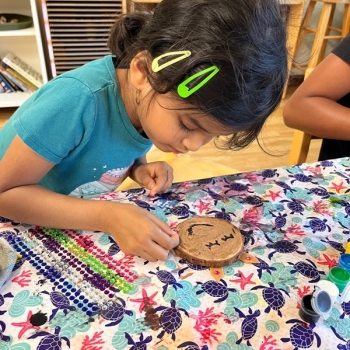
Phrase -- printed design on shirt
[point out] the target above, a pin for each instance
(115, 176)
(109, 181)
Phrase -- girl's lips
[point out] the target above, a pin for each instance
(174, 150)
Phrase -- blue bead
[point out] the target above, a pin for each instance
(76, 301)
(72, 297)
(81, 297)
(84, 308)
(74, 289)
(80, 305)
(88, 313)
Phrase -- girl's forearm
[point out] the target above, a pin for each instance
(36, 205)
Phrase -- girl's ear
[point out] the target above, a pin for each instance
(137, 71)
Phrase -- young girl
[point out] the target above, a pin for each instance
(192, 71)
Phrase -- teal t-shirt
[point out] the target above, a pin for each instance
(78, 122)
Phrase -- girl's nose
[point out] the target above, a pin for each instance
(196, 140)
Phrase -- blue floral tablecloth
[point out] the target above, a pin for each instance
(77, 290)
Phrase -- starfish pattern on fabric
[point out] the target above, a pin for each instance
(273, 195)
(337, 188)
(328, 262)
(145, 300)
(26, 325)
(243, 280)
(202, 206)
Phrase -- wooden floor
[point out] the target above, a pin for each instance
(275, 139)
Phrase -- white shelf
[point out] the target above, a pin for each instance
(13, 99)
(20, 32)
(24, 43)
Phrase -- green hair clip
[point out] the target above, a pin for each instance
(183, 89)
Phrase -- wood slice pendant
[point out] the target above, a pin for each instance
(209, 241)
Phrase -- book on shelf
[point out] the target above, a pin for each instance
(11, 85)
(14, 77)
(23, 69)
(5, 85)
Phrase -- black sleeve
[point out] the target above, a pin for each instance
(343, 49)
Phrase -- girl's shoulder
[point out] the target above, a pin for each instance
(95, 75)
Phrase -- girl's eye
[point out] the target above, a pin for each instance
(185, 128)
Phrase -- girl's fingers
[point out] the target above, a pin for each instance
(163, 179)
(157, 251)
(165, 240)
(145, 255)
(162, 226)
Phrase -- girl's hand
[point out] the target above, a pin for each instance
(156, 177)
(139, 232)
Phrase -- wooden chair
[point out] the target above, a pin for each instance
(294, 21)
(322, 32)
(300, 147)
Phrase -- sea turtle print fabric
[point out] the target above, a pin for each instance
(77, 290)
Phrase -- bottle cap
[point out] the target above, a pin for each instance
(339, 276)
(344, 261)
(321, 302)
(329, 287)
(347, 248)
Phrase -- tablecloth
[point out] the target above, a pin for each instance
(77, 290)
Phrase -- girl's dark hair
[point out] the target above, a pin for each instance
(246, 39)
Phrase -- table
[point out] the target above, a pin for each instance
(76, 290)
